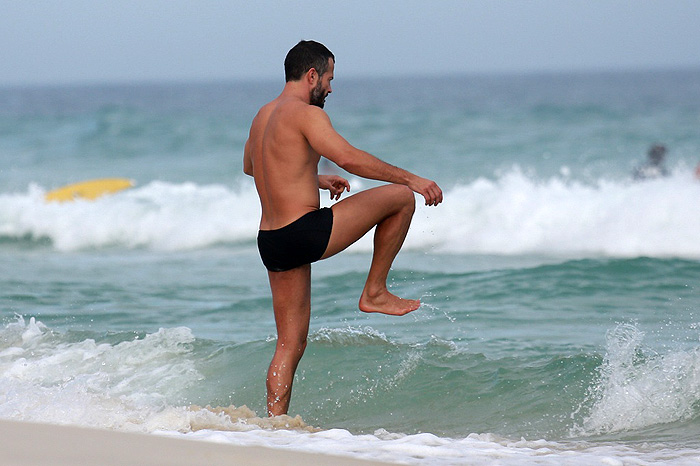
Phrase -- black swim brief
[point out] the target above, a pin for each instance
(301, 242)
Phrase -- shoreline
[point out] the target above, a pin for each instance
(35, 444)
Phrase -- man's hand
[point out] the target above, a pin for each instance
(333, 183)
(428, 189)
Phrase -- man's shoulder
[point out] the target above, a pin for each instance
(263, 114)
(312, 114)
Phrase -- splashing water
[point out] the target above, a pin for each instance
(638, 388)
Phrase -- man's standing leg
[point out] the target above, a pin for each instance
(291, 300)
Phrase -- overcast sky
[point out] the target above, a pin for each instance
(87, 41)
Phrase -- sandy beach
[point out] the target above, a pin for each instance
(32, 444)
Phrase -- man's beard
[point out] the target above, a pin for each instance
(318, 97)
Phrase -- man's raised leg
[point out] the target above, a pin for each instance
(291, 300)
(390, 208)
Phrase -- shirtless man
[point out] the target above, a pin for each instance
(287, 138)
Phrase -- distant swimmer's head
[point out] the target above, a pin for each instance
(310, 55)
(657, 152)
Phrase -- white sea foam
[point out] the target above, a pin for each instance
(46, 379)
(475, 449)
(159, 215)
(516, 214)
(513, 214)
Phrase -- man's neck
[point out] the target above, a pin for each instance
(297, 90)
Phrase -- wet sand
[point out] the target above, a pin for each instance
(32, 444)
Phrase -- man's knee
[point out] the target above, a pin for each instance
(406, 198)
(301, 347)
(293, 346)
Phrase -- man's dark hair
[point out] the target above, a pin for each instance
(305, 55)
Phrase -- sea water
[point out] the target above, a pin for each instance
(560, 319)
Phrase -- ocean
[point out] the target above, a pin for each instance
(560, 321)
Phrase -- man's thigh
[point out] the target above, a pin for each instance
(357, 214)
(291, 300)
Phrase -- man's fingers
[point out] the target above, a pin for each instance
(433, 196)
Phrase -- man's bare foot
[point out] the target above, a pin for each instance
(387, 303)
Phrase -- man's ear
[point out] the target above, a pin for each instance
(312, 76)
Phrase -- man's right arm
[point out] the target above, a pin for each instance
(247, 159)
(325, 140)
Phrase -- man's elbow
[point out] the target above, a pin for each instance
(247, 166)
(347, 162)
(350, 166)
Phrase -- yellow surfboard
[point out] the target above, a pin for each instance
(91, 189)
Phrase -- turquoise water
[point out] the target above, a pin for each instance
(560, 298)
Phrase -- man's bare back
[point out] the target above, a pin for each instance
(287, 138)
(287, 182)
